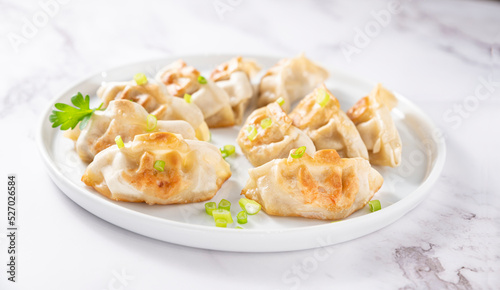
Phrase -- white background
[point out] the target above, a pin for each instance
(433, 52)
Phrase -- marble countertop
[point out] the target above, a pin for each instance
(442, 55)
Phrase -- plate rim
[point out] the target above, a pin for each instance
(396, 210)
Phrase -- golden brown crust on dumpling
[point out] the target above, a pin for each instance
(224, 70)
(180, 78)
(324, 186)
(194, 170)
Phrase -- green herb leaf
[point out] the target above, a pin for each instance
(68, 117)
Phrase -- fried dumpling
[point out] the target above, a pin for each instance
(372, 117)
(192, 170)
(156, 100)
(261, 142)
(214, 102)
(320, 117)
(234, 77)
(290, 79)
(324, 186)
(179, 78)
(126, 119)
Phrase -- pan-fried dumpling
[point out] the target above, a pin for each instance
(193, 170)
(234, 77)
(320, 117)
(261, 142)
(290, 79)
(372, 117)
(126, 119)
(179, 78)
(156, 100)
(324, 186)
(214, 102)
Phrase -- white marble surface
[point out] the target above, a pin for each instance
(433, 52)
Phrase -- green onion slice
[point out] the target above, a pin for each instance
(374, 205)
(210, 206)
(119, 142)
(227, 150)
(152, 122)
(202, 80)
(280, 101)
(299, 152)
(322, 98)
(252, 132)
(225, 204)
(159, 165)
(242, 217)
(239, 228)
(251, 207)
(140, 79)
(222, 214)
(266, 123)
(221, 223)
(187, 98)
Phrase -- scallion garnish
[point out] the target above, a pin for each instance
(322, 98)
(227, 150)
(119, 142)
(222, 214)
(140, 79)
(202, 80)
(299, 152)
(210, 206)
(221, 223)
(266, 123)
(225, 204)
(239, 228)
(374, 205)
(159, 165)
(251, 132)
(242, 217)
(187, 98)
(251, 207)
(280, 101)
(152, 122)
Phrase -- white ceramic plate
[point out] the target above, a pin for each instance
(403, 189)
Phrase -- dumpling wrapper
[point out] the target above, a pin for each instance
(234, 76)
(272, 142)
(155, 98)
(324, 186)
(372, 117)
(290, 79)
(214, 102)
(126, 119)
(179, 78)
(328, 127)
(194, 170)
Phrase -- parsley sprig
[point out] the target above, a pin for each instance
(68, 116)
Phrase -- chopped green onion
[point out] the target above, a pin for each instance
(374, 205)
(239, 228)
(159, 165)
(299, 152)
(187, 98)
(222, 214)
(280, 101)
(152, 121)
(221, 223)
(140, 79)
(251, 207)
(242, 217)
(227, 150)
(119, 142)
(223, 153)
(202, 80)
(225, 204)
(265, 123)
(252, 132)
(322, 98)
(210, 206)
